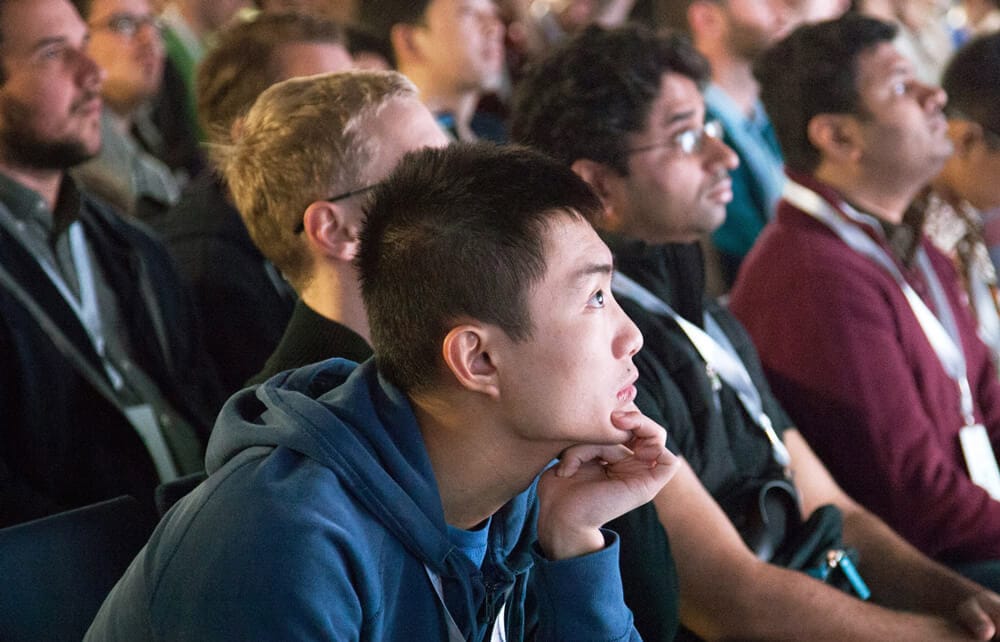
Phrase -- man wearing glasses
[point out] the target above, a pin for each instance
(624, 109)
(125, 41)
(104, 389)
(306, 217)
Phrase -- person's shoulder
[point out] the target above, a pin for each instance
(115, 225)
(285, 514)
(264, 548)
(202, 211)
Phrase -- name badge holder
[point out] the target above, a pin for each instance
(719, 355)
(941, 330)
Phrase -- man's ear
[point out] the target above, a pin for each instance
(331, 230)
(600, 177)
(405, 42)
(606, 183)
(964, 135)
(466, 352)
(837, 136)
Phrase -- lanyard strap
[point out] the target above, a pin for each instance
(499, 633)
(941, 331)
(85, 308)
(140, 417)
(717, 352)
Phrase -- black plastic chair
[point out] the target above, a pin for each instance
(169, 492)
(56, 571)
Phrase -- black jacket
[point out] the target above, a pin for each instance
(62, 444)
(236, 290)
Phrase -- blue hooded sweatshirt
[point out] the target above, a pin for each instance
(321, 520)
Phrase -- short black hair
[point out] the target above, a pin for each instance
(376, 18)
(672, 14)
(457, 233)
(813, 71)
(581, 99)
(972, 81)
(84, 7)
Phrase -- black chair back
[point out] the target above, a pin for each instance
(56, 571)
(169, 492)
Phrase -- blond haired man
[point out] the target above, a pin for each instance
(306, 218)
(238, 292)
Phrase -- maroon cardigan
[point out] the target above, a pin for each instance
(848, 360)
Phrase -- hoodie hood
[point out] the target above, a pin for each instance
(349, 419)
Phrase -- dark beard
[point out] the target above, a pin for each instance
(19, 145)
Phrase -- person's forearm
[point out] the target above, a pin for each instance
(727, 593)
(897, 573)
(773, 603)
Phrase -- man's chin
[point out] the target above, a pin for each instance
(59, 155)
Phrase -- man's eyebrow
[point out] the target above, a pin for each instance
(591, 269)
(678, 117)
(45, 42)
(901, 68)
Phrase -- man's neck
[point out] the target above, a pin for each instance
(336, 296)
(735, 77)
(192, 16)
(884, 201)
(121, 119)
(442, 98)
(46, 182)
(476, 471)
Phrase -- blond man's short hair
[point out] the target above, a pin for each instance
(303, 140)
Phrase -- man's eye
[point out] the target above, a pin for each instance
(899, 89)
(687, 140)
(597, 301)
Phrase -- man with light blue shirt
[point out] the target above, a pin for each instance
(731, 34)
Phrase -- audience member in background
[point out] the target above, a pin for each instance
(861, 324)
(950, 212)
(623, 109)
(810, 11)
(923, 36)
(731, 34)
(189, 26)
(103, 389)
(555, 20)
(981, 17)
(239, 293)
(312, 232)
(453, 52)
(125, 42)
(343, 12)
(404, 499)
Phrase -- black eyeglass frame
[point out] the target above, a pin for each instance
(713, 129)
(301, 227)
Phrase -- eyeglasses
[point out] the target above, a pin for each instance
(130, 24)
(688, 142)
(301, 227)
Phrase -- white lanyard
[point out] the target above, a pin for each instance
(717, 352)
(454, 633)
(941, 331)
(85, 308)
